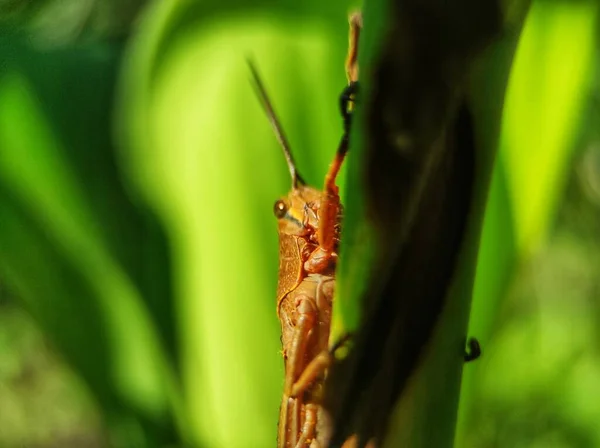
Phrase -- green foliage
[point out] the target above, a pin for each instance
(73, 243)
(547, 95)
(137, 181)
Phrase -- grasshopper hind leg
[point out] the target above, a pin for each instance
(308, 430)
(346, 102)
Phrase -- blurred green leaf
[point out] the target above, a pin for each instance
(73, 244)
(547, 90)
(158, 264)
(549, 84)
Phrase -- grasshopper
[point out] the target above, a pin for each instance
(309, 225)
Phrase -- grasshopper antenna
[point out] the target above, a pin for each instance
(276, 125)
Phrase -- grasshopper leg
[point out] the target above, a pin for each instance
(290, 416)
(330, 208)
(308, 430)
(356, 23)
(307, 312)
(330, 204)
(347, 98)
(474, 350)
(307, 315)
(317, 366)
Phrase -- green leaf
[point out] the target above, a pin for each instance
(545, 99)
(72, 242)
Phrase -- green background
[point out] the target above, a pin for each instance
(138, 251)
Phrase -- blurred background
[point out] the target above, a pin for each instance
(138, 251)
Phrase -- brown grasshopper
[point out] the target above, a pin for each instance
(309, 234)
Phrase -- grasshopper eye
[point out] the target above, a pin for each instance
(280, 209)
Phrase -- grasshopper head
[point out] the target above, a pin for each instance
(298, 213)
